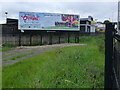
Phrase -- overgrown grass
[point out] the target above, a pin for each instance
(7, 47)
(95, 40)
(70, 67)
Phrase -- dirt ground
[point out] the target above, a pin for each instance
(20, 53)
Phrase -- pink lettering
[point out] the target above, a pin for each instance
(25, 17)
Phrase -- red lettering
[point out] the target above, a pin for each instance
(28, 18)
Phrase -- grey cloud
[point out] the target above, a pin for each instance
(99, 10)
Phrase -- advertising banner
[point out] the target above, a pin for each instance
(48, 21)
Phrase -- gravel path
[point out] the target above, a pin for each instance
(31, 50)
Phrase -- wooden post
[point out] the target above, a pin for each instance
(109, 55)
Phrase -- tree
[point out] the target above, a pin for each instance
(106, 21)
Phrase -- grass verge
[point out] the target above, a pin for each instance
(70, 67)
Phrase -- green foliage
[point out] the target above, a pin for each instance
(36, 44)
(70, 67)
(106, 21)
(33, 44)
(7, 47)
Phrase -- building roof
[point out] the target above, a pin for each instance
(87, 19)
(12, 21)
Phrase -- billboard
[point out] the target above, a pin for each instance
(48, 21)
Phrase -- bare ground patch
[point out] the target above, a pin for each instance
(23, 52)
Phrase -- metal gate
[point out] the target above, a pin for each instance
(112, 57)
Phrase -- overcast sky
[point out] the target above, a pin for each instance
(106, 9)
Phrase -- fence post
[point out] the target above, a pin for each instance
(75, 37)
(41, 39)
(78, 38)
(109, 55)
(50, 38)
(59, 37)
(19, 39)
(68, 37)
(30, 39)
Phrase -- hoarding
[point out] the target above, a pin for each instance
(48, 21)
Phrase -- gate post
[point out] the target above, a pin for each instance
(109, 55)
